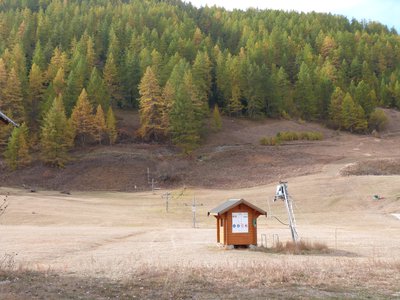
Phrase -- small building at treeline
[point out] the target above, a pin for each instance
(237, 222)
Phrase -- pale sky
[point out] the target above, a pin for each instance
(386, 12)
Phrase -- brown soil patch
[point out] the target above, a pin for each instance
(231, 158)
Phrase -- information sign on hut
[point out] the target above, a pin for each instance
(237, 222)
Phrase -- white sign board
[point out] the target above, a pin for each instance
(240, 222)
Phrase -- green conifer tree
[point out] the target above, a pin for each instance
(17, 153)
(82, 119)
(59, 82)
(184, 126)
(353, 116)
(111, 124)
(3, 81)
(38, 56)
(58, 61)
(91, 57)
(97, 91)
(217, 120)
(335, 108)
(167, 97)
(304, 95)
(19, 65)
(14, 103)
(202, 78)
(72, 91)
(363, 97)
(100, 127)
(150, 107)
(111, 79)
(56, 136)
(35, 97)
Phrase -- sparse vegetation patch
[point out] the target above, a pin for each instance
(272, 280)
(300, 248)
(287, 136)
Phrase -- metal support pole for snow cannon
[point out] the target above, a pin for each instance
(282, 194)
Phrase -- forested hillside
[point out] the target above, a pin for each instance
(64, 66)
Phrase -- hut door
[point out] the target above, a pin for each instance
(221, 231)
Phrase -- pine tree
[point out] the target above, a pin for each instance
(353, 117)
(304, 95)
(378, 120)
(97, 91)
(217, 121)
(355, 69)
(56, 135)
(145, 60)
(82, 119)
(114, 47)
(72, 91)
(167, 97)
(184, 126)
(335, 108)
(156, 63)
(3, 81)
(59, 82)
(38, 56)
(100, 127)
(396, 94)
(90, 54)
(363, 97)
(361, 123)
(19, 65)
(58, 61)
(233, 68)
(131, 78)
(283, 102)
(36, 90)
(111, 79)
(14, 100)
(17, 153)
(150, 107)
(222, 79)
(202, 78)
(235, 106)
(198, 106)
(111, 125)
(256, 91)
(384, 94)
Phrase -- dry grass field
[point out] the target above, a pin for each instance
(99, 244)
(107, 244)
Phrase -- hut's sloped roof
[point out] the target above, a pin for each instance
(6, 119)
(224, 207)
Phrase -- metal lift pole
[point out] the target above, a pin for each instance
(282, 193)
(289, 208)
(7, 119)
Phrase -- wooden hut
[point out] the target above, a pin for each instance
(7, 120)
(237, 222)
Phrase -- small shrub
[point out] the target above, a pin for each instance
(285, 115)
(288, 136)
(312, 136)
(377, 120)
(270, 141)
(291, 136)
(302, 248)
